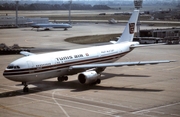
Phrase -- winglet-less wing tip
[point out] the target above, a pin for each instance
(172, 60)
(25, 53)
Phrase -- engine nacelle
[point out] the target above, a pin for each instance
(89, 77)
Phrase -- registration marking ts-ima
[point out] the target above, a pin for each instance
(88, 62)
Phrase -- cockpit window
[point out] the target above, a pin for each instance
(13, 67)
(10, 67)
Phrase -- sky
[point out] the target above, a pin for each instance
(86, 0)
(66, 0)
(144, 1)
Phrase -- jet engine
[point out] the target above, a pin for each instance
(89, 77)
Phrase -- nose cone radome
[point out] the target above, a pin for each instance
(70, 26)
(7, 74)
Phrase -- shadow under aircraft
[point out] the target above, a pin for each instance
(75, 87)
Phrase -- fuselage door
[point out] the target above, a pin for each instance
(30, 66)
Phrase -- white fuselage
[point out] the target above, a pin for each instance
(56, 64)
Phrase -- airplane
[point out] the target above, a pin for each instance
(47, 26)
(112, 21)
(88, 62)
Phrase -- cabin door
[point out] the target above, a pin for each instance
(30, 66)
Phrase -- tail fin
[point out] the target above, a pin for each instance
(128, 32)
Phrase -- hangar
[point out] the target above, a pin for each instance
(169, 35)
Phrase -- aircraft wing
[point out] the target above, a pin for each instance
(119, 64)
(25, 53)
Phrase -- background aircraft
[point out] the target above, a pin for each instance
(47, 26)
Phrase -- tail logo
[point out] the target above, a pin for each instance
(131, 28)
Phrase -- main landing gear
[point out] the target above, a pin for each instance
(25, 89)
(62, 78)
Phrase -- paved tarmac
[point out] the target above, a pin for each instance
(137, 91)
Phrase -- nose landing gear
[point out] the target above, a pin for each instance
(25, 89)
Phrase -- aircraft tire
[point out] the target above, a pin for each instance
(25, 89)
(60, 79)
(65, 78)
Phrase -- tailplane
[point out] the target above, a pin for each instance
(129, 30)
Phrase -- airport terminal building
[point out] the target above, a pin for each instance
(169, 35)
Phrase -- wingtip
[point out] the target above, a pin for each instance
(172, 61)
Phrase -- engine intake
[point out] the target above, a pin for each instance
(89, 77)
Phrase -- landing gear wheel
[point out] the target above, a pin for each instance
(63, 78)
(98, 81)
(26, 89)
(60, 79)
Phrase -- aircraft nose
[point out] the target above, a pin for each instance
(70, 26)
(9, 75)
(5, 73)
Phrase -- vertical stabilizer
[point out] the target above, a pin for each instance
(129, 30)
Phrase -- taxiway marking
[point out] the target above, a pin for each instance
(59, 104)
(150, 109)
(85, 104)
(102, 102)
(173, 68)
(68, 106)
(104, 110)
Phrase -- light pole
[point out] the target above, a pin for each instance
(138, 5)
(17, 3)
(70, 3)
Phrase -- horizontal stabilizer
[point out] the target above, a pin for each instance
(145, 45)
(25, 53)
(113, 42)
(119, 64)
